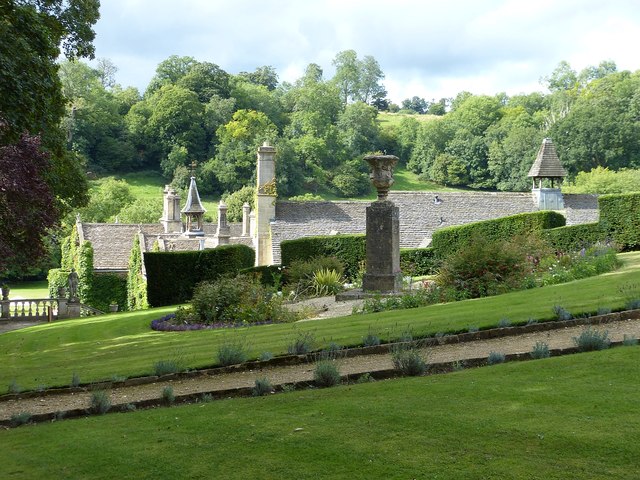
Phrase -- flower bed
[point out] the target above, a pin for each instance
(166, 324)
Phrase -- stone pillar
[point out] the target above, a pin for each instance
(223, 232)
(4, 309)
(265, 203)
(246, 210)
(73, 309)
(63, 309)
(383, 231)
(171, 220)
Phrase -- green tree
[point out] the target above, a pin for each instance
(236, 200)
(601, 180)
(370, 88)
(234, 164)
(206, 79)
(358, 129)
(169, 72)
(265, 76)
(347, 77)
(107, 200)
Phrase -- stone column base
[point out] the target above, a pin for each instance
(383, 283)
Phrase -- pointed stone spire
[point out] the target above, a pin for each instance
(194, 211)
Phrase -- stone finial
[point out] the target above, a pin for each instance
(381, 173)
(246, 210)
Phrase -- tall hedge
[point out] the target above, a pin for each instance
(620, 219)
(108, 288)
(574, 237)
(172, 276)
(418, 261)
(450, 239)
(349, 249)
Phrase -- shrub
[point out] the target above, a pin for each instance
(590, 340)
(326, 374)
(487, 267)
(136, 284)
(408, 361)
(495, 357)
(19, 419)
(561, 314)
(168, 396)
(472, 329)
(265, 356)
(326, 282)
(14, 387)
(633, 304)
(370, 339)
(504, 322)
(166, 367)
(172, 276)
(449, 240)
(270, 275)
(301, 273)
(241, 299)
(603, 311)
(262, 387)
(100, 402)
(365, 378)
(349, 249)
(236, 200)
(540, 350)
(302, 343)
(232, 352)
(75, 380)
(629, 341)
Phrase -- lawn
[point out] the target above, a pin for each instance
(567, 417)
(122, 344)
(31, 290)
(150, 185)
(393, 119)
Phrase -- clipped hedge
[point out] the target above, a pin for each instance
(620, 219)
(574, 237)
(172, 276)
(450, 239)
(108, 288)
(418, 261)
(267, 273)
(56, 278)
(349, 249)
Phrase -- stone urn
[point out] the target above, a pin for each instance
(381, 173)
(5, 291)
(113, 307)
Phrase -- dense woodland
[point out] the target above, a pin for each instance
(195, 111)
(62, 121)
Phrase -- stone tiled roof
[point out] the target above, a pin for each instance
(547, 163)
(581, 208)
(112, 242)
(421, 213)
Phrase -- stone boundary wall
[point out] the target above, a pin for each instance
(421, 213)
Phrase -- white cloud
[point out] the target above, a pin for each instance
(427, 48)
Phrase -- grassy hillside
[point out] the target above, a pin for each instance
(393, 119)
(557, 418)
(123, 344)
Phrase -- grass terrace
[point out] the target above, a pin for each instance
(557, 418)
(122, 344)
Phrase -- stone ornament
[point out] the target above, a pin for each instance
(381, 173)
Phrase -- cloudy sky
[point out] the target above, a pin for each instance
(427, 48)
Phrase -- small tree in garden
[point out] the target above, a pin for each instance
(136, 284)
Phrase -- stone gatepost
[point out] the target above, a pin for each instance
(265, 203)
(246, 227)
(383, 231)
(171, 219)
(223, 233)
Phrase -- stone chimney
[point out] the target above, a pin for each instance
(265, 203)
(246, 211)
(223, 231)
(171, 220)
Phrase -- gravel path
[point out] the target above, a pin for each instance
(279, 375)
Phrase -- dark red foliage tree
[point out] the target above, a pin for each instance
(27, 204)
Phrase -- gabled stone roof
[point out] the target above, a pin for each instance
(547, 163)
(193, 204)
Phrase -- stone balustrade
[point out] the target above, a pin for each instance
(29, 309)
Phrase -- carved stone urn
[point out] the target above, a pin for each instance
(381, 173)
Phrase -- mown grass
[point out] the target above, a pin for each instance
(37, 289)
(394, 119)
(557, 418)
(407, 181)
(149, 184)
(123, 344)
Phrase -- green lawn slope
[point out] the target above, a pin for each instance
(122, 344)
(566, 417)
